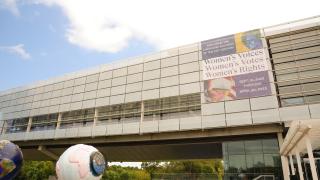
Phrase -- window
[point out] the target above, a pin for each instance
(155, 109)
(251, 158)
(45, 122)
(78, 118)
(17, 125)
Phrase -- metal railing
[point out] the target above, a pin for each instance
(265, 177)
(252, 176)
(185, 176)
(211, 176)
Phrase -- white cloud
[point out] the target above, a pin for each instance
(108, 26)
(17, 49)
(11, 5)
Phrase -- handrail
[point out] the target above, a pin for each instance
(264, 176)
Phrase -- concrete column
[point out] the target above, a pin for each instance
(141, 116)
(29, 124)
(142, 112)
(95, 118)
(311, 158)
(110, 118)
(284, 160)
(1, 123)
(59, 120)
(4, 127)
(293, 172)
(299, 165)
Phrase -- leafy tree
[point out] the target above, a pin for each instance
(36, 170)
(125, 173)
(190, 169)
(151, 167)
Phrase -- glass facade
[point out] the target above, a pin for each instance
(45, 122)
(155, 109)
(17, 125)
(251, 158)
(78, 118)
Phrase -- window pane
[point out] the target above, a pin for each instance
(236, 147)
(237, 163)
(224, 149)
(292, 101)
(270, 146)
(255, 163)
(272, 160)
(253, 147)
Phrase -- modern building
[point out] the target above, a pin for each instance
(232, 97)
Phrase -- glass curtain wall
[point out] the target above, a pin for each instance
(154, 109)
(78, 118)
(45, 122)
(17, 125)
(251, 158)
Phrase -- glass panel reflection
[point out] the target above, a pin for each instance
(270, 146)
(252, 158)
(237, 163)
(236, 147)
(253, 146)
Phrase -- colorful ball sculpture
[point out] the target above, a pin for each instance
(81, 162)
(11, 159)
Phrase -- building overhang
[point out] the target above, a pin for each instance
(297, 134)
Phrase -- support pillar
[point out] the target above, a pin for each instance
(293, 172)
(95, 118)
(311, 158)
(29, 124)
(141, 116)
(299, 165)
(4, 127)
(284, 160)
(59, 120)
(2, 122)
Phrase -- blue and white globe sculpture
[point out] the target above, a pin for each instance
(11, 159)
(80, 162)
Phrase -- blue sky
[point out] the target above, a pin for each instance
(41, 30)
(40, 39)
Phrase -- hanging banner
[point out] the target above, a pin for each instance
(235, 67)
